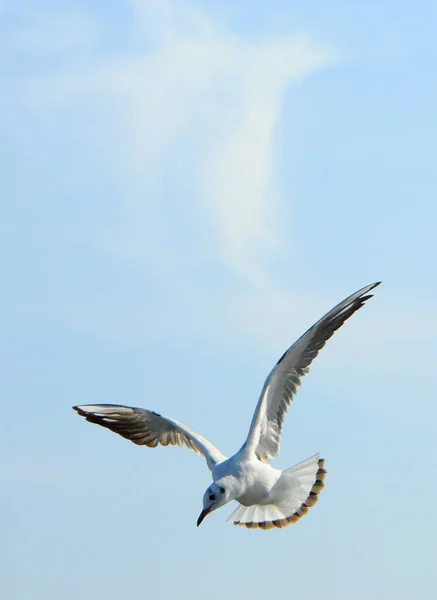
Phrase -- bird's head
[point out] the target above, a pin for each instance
(215, 496)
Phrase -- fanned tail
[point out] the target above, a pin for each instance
(295, 492)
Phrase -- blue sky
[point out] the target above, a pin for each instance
(186, 187)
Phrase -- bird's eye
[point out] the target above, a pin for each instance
(222, 490)
(212, 497)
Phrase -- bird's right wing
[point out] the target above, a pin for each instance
(283, 381)
(148, 428)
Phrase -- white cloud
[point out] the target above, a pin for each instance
(240, 168)
(185, 125)
(209, 95)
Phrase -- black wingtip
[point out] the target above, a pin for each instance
(369, 288)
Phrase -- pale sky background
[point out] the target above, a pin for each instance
(185, 188)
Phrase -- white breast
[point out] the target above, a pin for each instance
(253, 479)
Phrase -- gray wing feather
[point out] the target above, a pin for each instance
(148, 428)
(282, 383)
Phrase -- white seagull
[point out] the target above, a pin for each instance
(267, 497)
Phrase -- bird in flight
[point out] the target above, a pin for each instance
(268, 498)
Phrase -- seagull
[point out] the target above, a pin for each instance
(268, 498)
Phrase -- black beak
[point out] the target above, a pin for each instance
(202, 515)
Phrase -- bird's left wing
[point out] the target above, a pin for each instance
(283, 381)
(148, 428)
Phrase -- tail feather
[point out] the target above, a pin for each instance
(293, 494)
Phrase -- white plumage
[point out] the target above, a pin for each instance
(268, 497)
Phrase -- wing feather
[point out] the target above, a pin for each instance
(148, 428)
(282, 383)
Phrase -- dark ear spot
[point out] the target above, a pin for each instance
(222, 490)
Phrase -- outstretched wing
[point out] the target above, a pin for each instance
(148, 428)
(282, 383)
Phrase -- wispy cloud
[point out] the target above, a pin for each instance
(230, 90)
(185, 125)
(219, 96)
(240, 168)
